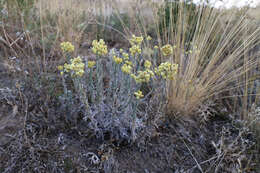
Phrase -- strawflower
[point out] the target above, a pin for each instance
(147, 64)
(76, 67)
(91, 64)
(136, 40)
(143, 76)
(135, 49)
(99, 47)
(139, 94)
(167, 50)
(117, 60)
(128, 62)
(167, 70)
(67, 47)
(60, 67)
(126, 69)
(125, 56)
(149, 38)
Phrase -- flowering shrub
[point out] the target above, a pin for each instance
(111, 88)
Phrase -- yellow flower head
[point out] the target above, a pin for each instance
(147, 64)
(126, 69)
(139, 94)
(135, 49)
(99, 47)
(136, 40)
(149, 38)
(60, 67)
(143, 76)
(91, 64)
(117, 60)
(167, 50)
(133, 76)
(76, 67)
(67, 67)
(167, 70)
(156, 47)
(67, 47)
(79, 73)
(128, 62)
(126, 56)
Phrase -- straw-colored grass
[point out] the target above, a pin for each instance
(70, 18)
(219, 52)
(219, 57)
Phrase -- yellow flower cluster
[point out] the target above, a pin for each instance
(139, 94)
(167, 50)
(147, 64)
(125, 56)
(143, 76)
(60, 67)
(135, 49)
(167, 70)
(136, 45)
(76, 66)
(126, 68)
(117, 60)
(67, 47)
(136, 40)
(128, 62)
(148, 38)
(91, 64)
(99, 47)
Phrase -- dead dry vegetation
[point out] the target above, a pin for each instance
(168, 87)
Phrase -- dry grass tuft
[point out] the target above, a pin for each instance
(214, 49)
(218, 57)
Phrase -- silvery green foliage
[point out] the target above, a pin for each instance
(111, 110)
(112, 122)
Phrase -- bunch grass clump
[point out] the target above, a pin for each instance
(213, 60)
